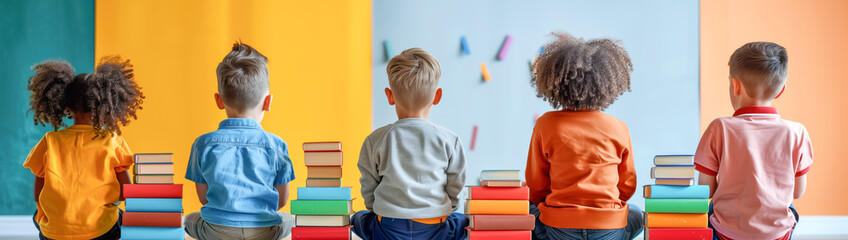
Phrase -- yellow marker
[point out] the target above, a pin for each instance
(485, 72)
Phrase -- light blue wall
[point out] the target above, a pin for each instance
(661, 36)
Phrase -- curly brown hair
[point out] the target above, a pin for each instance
(110, 94)
(574, 74)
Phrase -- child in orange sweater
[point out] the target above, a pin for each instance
(580, 165)
(80, 170)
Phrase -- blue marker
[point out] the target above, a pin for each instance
(464, 46)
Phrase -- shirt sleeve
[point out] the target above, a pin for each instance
(124, 155)
(708, 154)
(455, 173)
(626, 173)
(285, 173)
(194, 171)
(35, 159)
(370, 176)
(804, 152)
(537, 172)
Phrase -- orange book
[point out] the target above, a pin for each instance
(675, 220)
(502, 207)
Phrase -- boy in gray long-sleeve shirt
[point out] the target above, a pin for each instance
(412, 170)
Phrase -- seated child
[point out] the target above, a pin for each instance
(754, 162)
(580, 165)
(241, 172)
(412, 170)
(80, 170)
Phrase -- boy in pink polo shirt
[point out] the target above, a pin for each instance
(754, 162)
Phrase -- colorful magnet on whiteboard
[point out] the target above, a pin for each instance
(463, 43)
(485, 71)
(473, 137)
(387, 47)
(504, 47)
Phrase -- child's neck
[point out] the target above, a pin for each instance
(250, 114)
(81, 118)
(405, 113)
(750, 102)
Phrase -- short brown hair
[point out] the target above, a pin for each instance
(243, 77)
(574, 74)
(413, 77)
(762, 68)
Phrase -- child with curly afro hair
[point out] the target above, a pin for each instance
(80, 170)
(580, 165)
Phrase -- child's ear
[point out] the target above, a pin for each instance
(266, 104)
(781, 91)
(219, 101)
(737, 86)
(438, 96)
(390, 96)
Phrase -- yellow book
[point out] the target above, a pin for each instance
(675, 220)
(504, 207)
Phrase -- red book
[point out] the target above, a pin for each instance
(152, 219)
(153, 190)
(679, 233)
(502, 222)
(320, 233)
(498, 235)
(498, 193)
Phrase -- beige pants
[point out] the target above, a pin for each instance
(199, 229)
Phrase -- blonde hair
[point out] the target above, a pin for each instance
(762, 67)
(413, 77)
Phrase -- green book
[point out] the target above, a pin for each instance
(321, 207)
(655, 205)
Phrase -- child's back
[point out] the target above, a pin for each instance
(79, 170)
(415, 160)
(754, 162)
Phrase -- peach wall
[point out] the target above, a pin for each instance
(815, 34)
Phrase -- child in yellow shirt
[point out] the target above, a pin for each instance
(80, 170)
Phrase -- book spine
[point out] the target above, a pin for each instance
(499, 207)
(152, 233)
(676, 220)
(676, 192)
(153, 190)
(154, 205)
(653, 205)
(499, 235)
(146, 219)
(323, 193)
(504, 222)
(320, 233)
(320, 207)
(679, 233)
(499, 193)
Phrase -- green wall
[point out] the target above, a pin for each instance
(31, 32)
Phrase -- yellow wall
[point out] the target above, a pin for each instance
(320, 71)
(815, 33)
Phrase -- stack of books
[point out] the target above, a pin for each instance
(675, 208)
(154, 211)
(499, 207)
(323, 164)
(322, 209)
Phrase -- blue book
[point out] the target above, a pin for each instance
(152, 233)
(677, 191)
(323, 193)
(500, 175)
(154, 205)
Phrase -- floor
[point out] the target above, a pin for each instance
(809, 228)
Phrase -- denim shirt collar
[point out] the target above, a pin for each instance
(239, 123)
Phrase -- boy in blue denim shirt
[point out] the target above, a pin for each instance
(240, 171)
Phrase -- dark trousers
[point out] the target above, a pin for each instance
(112, 234)
(368, 227)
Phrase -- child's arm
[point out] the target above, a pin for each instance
(626, 174)
(456, 174)
(370, 176)
(39, 184)
(800, 186)
(704, 179)
(123, 178)
(284, 195)
(537, 172)
(201, 192)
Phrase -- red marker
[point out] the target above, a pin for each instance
(473, 137)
